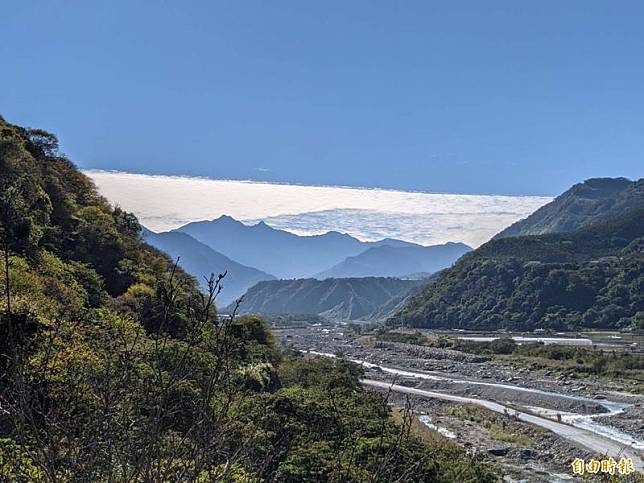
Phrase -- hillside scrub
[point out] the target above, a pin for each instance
(114, 366)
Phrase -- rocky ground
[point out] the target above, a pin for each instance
(448, 363)
(525, 452)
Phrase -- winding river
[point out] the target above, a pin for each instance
(579, 428)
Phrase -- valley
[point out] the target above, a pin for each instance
(492, 349)
(250, 254)
(533, 420)
(326, 242)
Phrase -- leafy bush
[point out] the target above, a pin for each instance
(16, 465)
(115, 367)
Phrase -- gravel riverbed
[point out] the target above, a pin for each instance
(535, 453)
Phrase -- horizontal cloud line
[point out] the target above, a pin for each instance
(94, 171)
(167, 202)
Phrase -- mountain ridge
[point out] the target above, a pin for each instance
(278, 252)
(115, 367)
(591, 201)
(336, 299)
(201, 261)
(588, 278)
(396, 261)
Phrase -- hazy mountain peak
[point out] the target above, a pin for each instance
(337, 234)
(225, 219)
(457, 244)
(262, 226)
(280, 252)
(201, 260)
(397, 261)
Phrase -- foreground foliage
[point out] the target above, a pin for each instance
(115, 367)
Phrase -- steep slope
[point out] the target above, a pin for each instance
(590, 278)
(278, 252)
(397, 303)
(585, 203)
(389, 261)
(48, 205)
(200, 261)
(337, 299)
(114, 367)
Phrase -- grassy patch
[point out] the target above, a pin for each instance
(415, 338)
(419, 430)
(498, 427)
(466, 412)
(572, 361)
(498, 432)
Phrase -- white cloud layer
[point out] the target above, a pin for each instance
(165, 202)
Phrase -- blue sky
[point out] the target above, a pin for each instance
(491, 97)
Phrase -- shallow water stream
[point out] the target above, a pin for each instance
(580, 428)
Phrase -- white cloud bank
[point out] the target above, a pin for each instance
(165, 202)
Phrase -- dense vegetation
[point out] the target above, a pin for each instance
(592, 201)
(333, 298)
(589, 278)
(115, 367)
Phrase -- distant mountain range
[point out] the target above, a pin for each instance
(254, 253)
(400, 261)
(335, 299)
(279, 252)
(585, 271)
(585, 203)
(200, 261)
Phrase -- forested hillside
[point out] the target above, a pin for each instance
(114, 366)
(335, 299)
(594, 200)
(589, 278)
